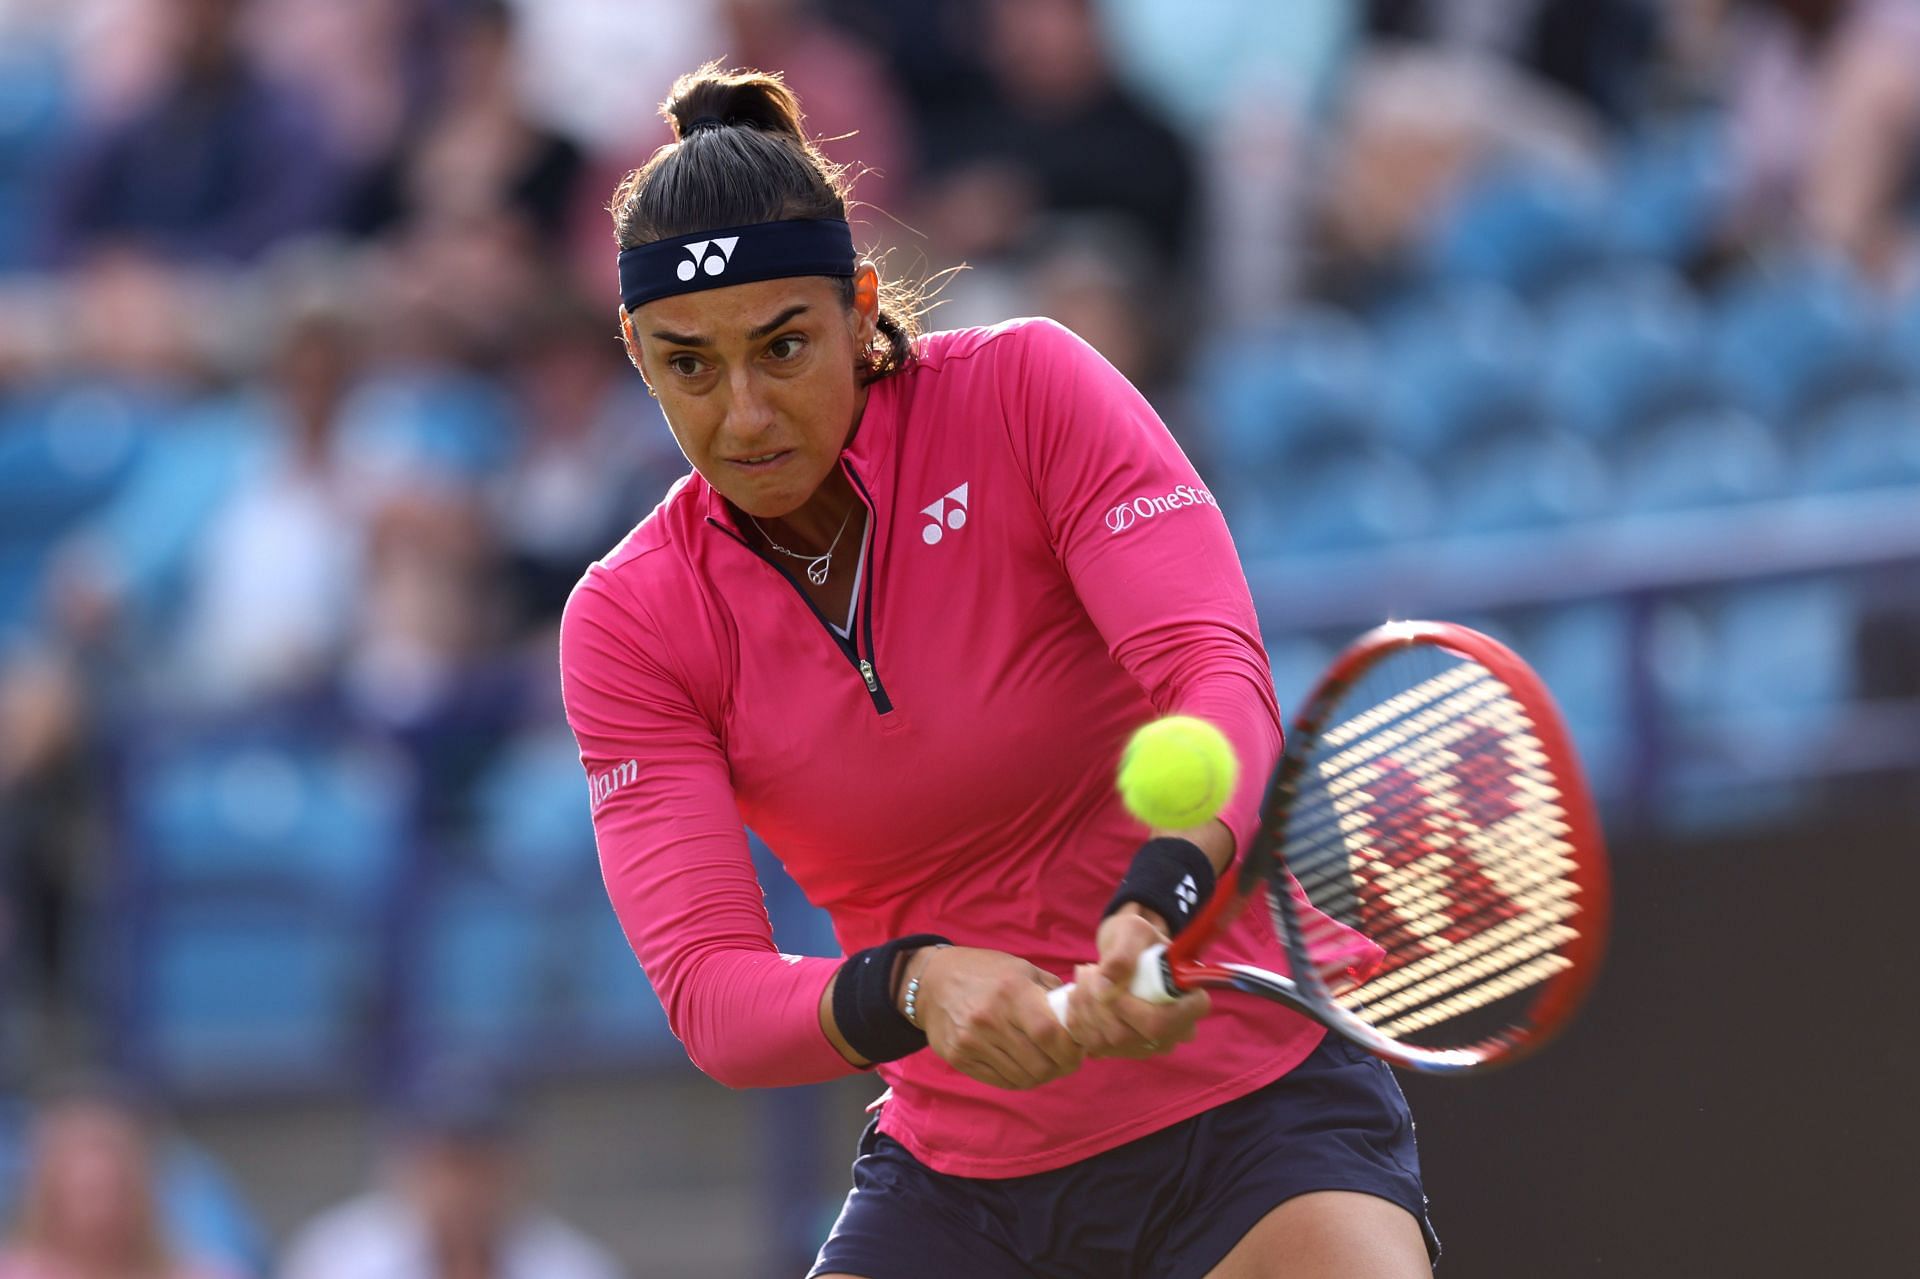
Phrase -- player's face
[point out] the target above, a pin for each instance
(759, 382)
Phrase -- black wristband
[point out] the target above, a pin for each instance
(1170, 876)
(863, 1006)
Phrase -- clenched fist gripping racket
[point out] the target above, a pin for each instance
(1430, 854)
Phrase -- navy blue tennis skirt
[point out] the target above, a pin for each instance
(1170, 1205)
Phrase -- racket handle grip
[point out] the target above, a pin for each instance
(1151, 982)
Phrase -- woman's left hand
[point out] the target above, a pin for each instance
(986, 1015)
(1104, 1018)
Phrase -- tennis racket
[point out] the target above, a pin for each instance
(1430, 854)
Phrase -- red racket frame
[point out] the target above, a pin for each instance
(1265, 861)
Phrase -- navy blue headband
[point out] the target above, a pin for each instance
(735, 255)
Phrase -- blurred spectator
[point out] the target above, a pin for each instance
(1252, 84)
(846, 88)
(1207, 63)
(429, 606)
(132, 318)
(272, 588)
(1598, 50)
(426, 665)
(477, 153)
(597, 69)
(595, 459)
(1417, 123)
(48, 835)
(365, 64)
(138, 343)
(933, 47)
(90, 1208)
(217, 162)
(452, 1204)
(1092, 274)
(451, 283)
(1055, 133)
(1826, 126)
(35, 103)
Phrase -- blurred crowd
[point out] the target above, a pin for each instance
(311, 408)
(101, 1188)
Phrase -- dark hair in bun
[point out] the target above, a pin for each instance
(740, 156)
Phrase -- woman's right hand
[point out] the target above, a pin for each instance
(986, 1015)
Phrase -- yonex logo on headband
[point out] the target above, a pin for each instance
(725, 256)
(698, 258)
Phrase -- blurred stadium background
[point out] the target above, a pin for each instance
(1592, 323)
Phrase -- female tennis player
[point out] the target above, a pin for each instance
(899, 620)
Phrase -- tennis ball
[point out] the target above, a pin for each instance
(1177, 773)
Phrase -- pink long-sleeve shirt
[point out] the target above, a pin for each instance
(1044, 573)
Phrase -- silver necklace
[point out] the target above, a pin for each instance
(818, 566)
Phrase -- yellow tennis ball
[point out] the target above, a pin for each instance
(1177, 773)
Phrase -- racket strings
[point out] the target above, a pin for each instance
(1405, 784)
(1323, 826)
(1427, 909)
(1430, 824)
(1325, 860)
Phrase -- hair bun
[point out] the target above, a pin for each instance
(713, 97)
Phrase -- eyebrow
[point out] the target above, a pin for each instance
(754, 334)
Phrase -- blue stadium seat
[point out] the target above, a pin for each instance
(1254, 514)
(34, 113)
(253, 993)
(1268, 392)
(404, 423)
(1457, 365)
(535, 983)
(549, 980)
(1710, 457)
(1622, 351)
(1581, 652)
(1797, 336)
(1523, 227)
(64, 451)
(1670, 192)
(20, 570)
(131, 468)
(486, 981)
(1776, 653)
(1753, 677)
(1869, 442)
(155, 520)
(616, 1007)
(1338, 499)
(535, 827)
(311, 817)
(1906, 336)
(1297, 661)
(1520, 478)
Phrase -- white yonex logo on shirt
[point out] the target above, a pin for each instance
(1189, 894)
(1127, 514)
(601, 785)
(702, 258)
(950, 510)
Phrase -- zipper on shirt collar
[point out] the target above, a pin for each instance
(864, 663)
(881, 701)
